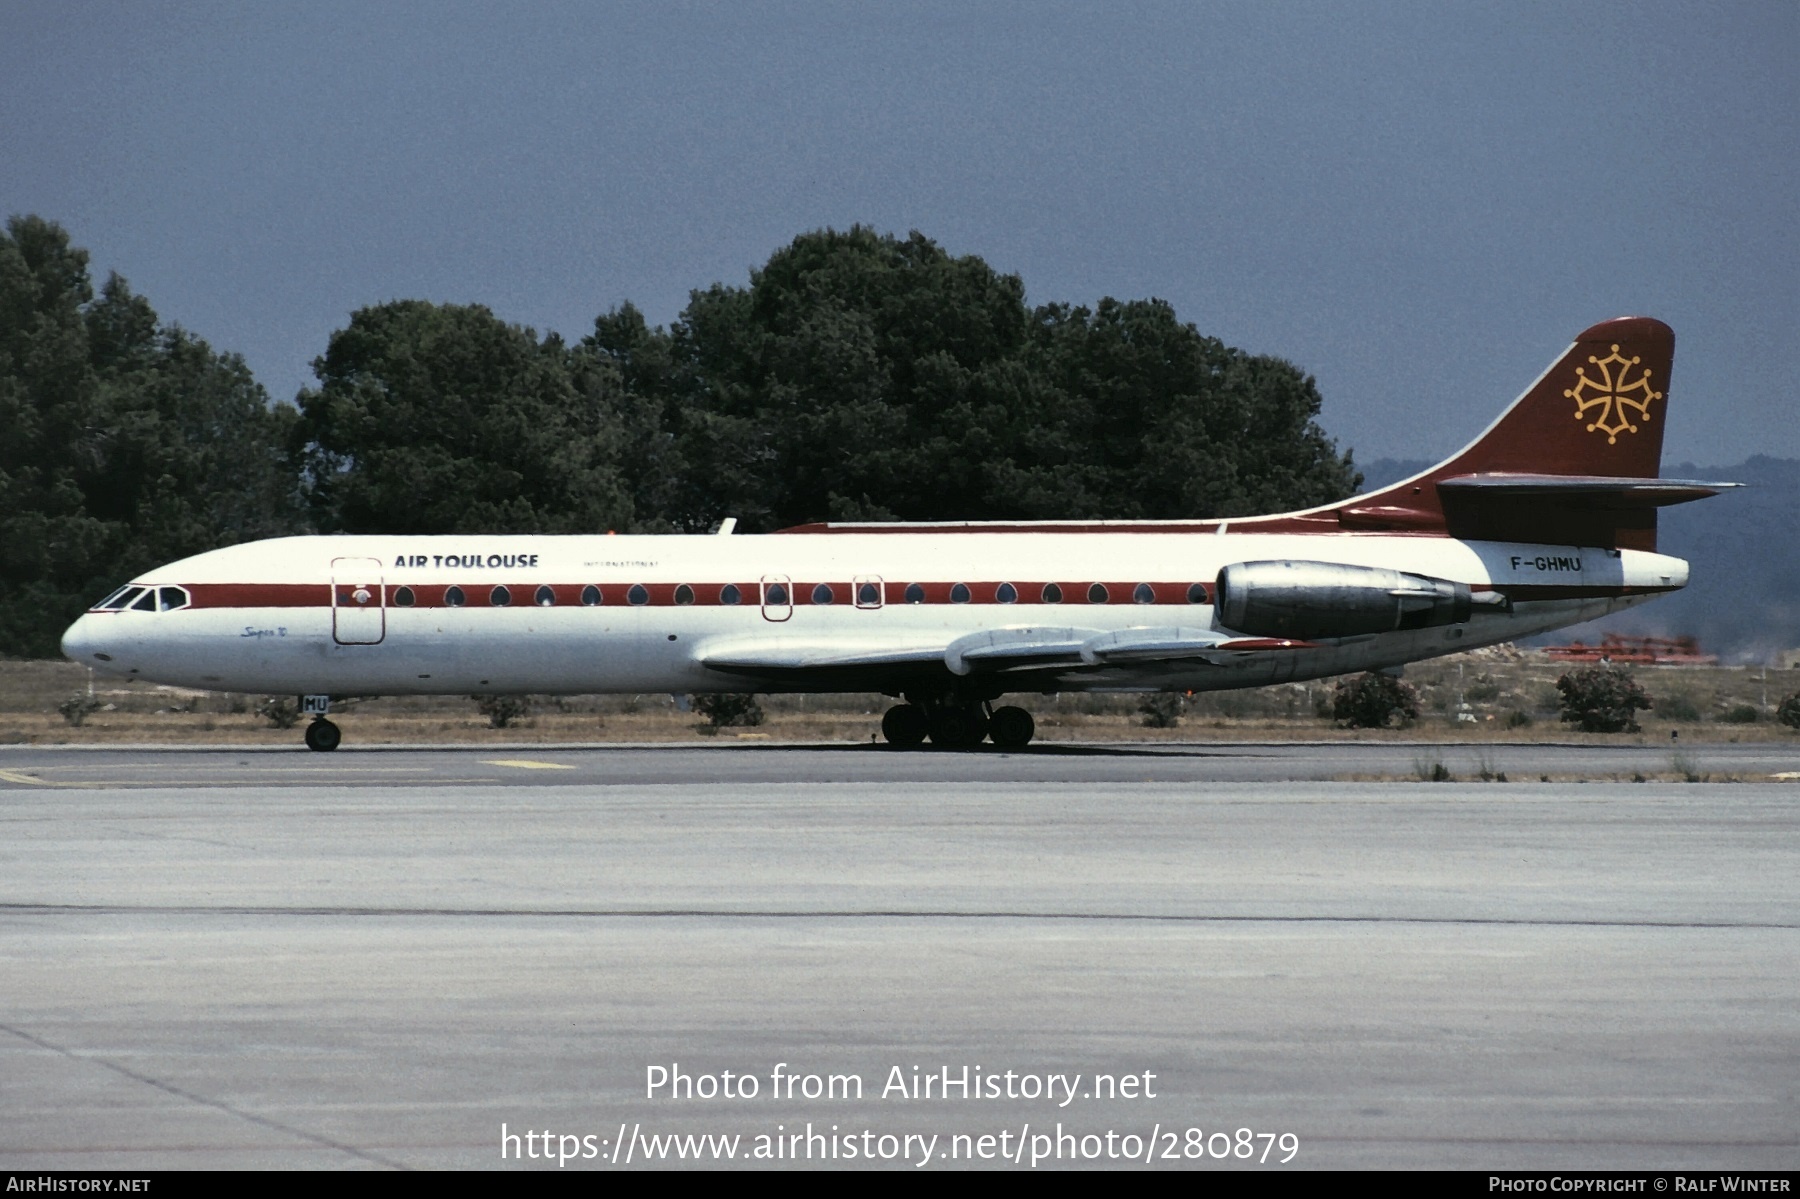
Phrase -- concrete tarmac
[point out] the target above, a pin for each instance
(377, 972)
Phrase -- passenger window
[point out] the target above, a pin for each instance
(1196, 593)
(1006, 593)
(776, 596)
(637, 595)
(823, 594)
(453, 597)
(545, 597)
(959, 594)
(729, 594)
(915, 594)
(868, 596)
(1097, 594)
(403, 597)
(1052, 593)
(499, 597)
(145, 602)
(1143, 593)
(684, 595)
(590, 596)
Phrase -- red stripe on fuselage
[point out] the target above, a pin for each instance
(800, 594)
(259, 595)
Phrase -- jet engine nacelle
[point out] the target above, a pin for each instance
(1310, 600)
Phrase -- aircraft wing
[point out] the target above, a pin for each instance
(1038, 650)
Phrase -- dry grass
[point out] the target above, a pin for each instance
(1493, 685)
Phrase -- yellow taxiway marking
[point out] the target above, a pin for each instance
(259, 767)
(525, 764)
(7, 776)
(13, 776)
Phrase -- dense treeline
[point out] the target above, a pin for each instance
(858, 376)
(123, 442)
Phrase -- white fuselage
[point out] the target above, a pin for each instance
(359, 615)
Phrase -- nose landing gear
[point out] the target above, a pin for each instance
(323, 736)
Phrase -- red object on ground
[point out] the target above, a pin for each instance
(1637, 651)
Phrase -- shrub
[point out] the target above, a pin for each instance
(1678, 707)
(1789, 711)
(1517, 719)
(502, 710)
(1740, 714)
(1602, 699)
(77, 708)
(279, 711)
(1482, 690)
(1161, 710)
(1432, 770)
(729, 711)
(1369, 701)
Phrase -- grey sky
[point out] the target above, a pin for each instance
(1419, 204)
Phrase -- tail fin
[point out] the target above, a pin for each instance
(1598, 410)
(1574, 461)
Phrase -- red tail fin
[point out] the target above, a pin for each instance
(1572, 462)
(1598, 410)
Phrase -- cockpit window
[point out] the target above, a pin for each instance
(118, 599)
(145, 602)
(170, 598)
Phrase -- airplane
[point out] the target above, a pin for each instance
(1546, 519)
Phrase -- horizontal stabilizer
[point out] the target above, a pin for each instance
(1580, 491)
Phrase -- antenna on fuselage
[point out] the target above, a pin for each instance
(727, 525)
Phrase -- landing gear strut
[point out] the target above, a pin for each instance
(956, 725)
(322, 735)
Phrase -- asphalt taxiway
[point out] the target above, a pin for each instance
(732, 761)
(379, 959)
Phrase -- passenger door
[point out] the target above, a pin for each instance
(358, 602)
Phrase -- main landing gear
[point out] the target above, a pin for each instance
(957, 725)
(322, 735)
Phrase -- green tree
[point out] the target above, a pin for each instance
(1156, 420)
(195, 456)
(51, 547)
(434, 418)
(863, 376)
(127, 443)
(841, 382)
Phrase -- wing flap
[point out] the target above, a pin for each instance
(1023, 648)
(775, 657)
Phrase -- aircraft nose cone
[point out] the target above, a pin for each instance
(79, 643)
